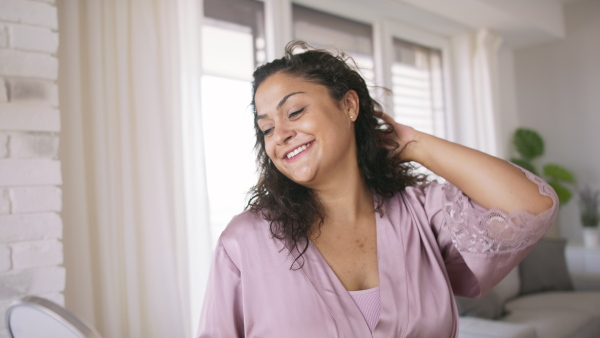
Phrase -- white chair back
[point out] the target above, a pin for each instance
(35, 317)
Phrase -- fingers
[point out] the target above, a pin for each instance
(392, 124)
(388, 119)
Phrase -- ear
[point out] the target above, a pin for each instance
(351, 105)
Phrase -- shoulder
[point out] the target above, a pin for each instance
(248, 234)
(422, 194)
(424, 201)
(244, 227)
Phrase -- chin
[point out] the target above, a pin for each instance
(303, 179)
(304, 175)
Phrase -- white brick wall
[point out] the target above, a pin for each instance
(32, 38)
(3, 36)
(28, 64)
(3, 92)
(5, 261)
(32, 281)
(31, 249)
(29, 12)
(3, 145)
(29, 172)
(29, 118)
(35, 199)
(33, 145)
(30, 227)
(4, 202)
(29, 91)
(36, 254)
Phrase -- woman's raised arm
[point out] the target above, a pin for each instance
(487, 180)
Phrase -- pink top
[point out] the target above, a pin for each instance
(433, 243)
(368, 304)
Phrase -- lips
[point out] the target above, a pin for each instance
(290, 155)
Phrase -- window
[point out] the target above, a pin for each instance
(418, 95)
(332, 32)
(418, 87)
(232, 45)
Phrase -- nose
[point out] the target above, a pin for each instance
(283, 133)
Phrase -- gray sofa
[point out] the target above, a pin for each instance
(538, 299)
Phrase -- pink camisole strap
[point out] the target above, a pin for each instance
(369, 304)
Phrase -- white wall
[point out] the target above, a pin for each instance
(31, 252)
(508, 118)
(558, 93)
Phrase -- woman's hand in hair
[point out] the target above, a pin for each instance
(403, 135)
(489, 181)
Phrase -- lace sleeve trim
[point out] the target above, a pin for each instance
(474, 230)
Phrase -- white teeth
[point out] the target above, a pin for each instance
(296, 151)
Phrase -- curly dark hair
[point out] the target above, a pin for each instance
(292, 209)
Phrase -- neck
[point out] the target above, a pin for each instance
(346, 201)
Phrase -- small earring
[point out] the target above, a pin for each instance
(351, 117)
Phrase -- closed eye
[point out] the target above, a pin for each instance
(295, 113)
(290, 116)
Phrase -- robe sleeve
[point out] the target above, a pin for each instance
(479, 246)
(222, 314)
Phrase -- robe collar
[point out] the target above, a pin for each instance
(392, 282)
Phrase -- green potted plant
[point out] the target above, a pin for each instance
(589, 200)
(530, 147)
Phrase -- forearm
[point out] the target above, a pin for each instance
(489, 181)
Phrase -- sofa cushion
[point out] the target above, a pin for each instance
(545, 268)
(509, 287)
(587, 302)
(469, 327)
(488, 306)
(557, 324)
(585, 282)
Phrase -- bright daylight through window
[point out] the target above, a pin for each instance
(232, 45)
(418, 87)
(334, 33)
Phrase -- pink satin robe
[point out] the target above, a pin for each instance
(432, 242)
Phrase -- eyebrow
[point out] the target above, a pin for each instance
(281, 103)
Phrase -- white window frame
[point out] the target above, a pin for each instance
(384, 32)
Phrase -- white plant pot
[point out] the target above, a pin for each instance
(591, 237)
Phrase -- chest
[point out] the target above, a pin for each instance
(352, 256)
(313, 301)
(310, 300)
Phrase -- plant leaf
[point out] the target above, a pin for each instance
(559, 173)
(528, 143)
(525, 165)
(564, 194)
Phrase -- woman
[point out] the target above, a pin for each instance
(341, 239)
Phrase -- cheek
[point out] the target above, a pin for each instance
(270, 149)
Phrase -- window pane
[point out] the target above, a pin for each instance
(334, 33)
(228, 62)
(228, 143)
(249, 14)
(232, 45)
(418, 90)
(418, 87)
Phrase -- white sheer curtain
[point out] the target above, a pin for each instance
(129, 89)
(476, 86)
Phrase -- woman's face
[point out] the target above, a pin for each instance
(308, 135)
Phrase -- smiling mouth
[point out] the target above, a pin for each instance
(298, 150)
